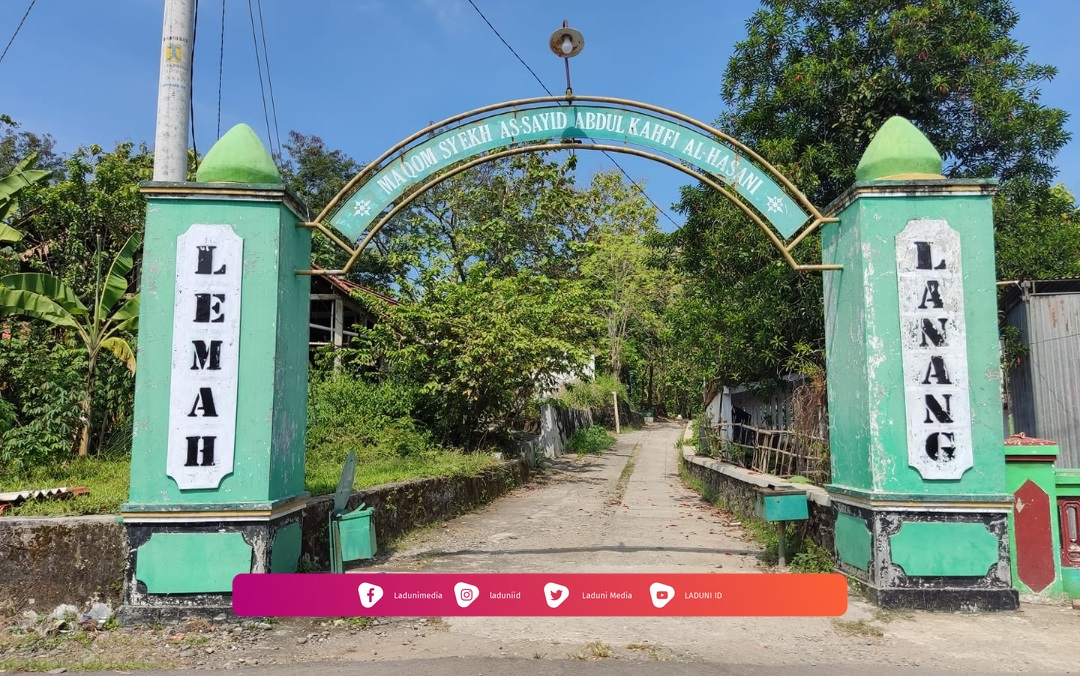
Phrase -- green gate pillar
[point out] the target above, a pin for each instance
(217, 470)
(914, 382)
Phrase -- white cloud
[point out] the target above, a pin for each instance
(449, 13)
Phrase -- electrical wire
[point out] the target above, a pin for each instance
(17, 29)
(262, 91)
(494, 30)
(545, 88)
(642, 190)
(221, 68)
(1056, 338)
(269, 80)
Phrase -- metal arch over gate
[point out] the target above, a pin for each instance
(444, 149)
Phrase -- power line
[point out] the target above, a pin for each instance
(17, 29)
(258, 64)
(545, 88)
(643, 193)
(494, 30)
(269, 81)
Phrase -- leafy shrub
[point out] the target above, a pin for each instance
(812, 559)
(41, 383)
(591, 441)
(479, 349)
(360, 411)
(593, 395)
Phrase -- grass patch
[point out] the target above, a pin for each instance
(106, 478)
(624, 476)
(590, 441)
(886, 616)
(804, 555)
(647, 648)
(594, 650)
(41, 666)
(857, 628)
(598, 650)
(375, 420)
(374, 467)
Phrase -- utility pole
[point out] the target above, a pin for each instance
(615, 396)
(174, 92)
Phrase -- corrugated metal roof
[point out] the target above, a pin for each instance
(346, 287)
(1014, 292)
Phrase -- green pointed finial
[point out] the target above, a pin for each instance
(238, 157)
(899, 151)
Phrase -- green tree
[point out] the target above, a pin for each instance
(481, 349)
(100, 327)
(1037, 231)
(807, 89)
(814, 80)
(316, 174)
(17, 144)
(22, 176)
(520, 213)
(617, 262)
(92, 212)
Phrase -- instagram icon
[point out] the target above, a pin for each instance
(465, 594)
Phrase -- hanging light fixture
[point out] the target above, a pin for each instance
(566, 42)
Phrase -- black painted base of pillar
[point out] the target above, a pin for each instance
(945, 599)
(174, 583)
(217, 609)
(896, 551)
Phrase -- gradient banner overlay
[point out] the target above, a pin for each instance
(539, 595)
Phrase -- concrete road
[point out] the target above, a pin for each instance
(493, 666)
(628, 511)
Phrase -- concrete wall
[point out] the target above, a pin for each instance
(627, 417)
(48, 561)
(718, 410)
(404, 506)
(557, 425)
(79, 559)
(735, 487)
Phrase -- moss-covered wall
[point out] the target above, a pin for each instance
(48, 561)
(78, 559)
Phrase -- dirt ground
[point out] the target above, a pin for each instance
(626, 511)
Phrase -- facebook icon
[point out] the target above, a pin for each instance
(369, 594)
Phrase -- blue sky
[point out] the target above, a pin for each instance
(363, 74)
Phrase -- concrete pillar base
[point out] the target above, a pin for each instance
(914, 552)
(945, 599)
(182, 563)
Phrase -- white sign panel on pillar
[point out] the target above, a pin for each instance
(205, 356)
(934, 348)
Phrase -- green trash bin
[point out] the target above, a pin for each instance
(357, 534)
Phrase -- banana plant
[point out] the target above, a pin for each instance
(21, 177)
(44, 297)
